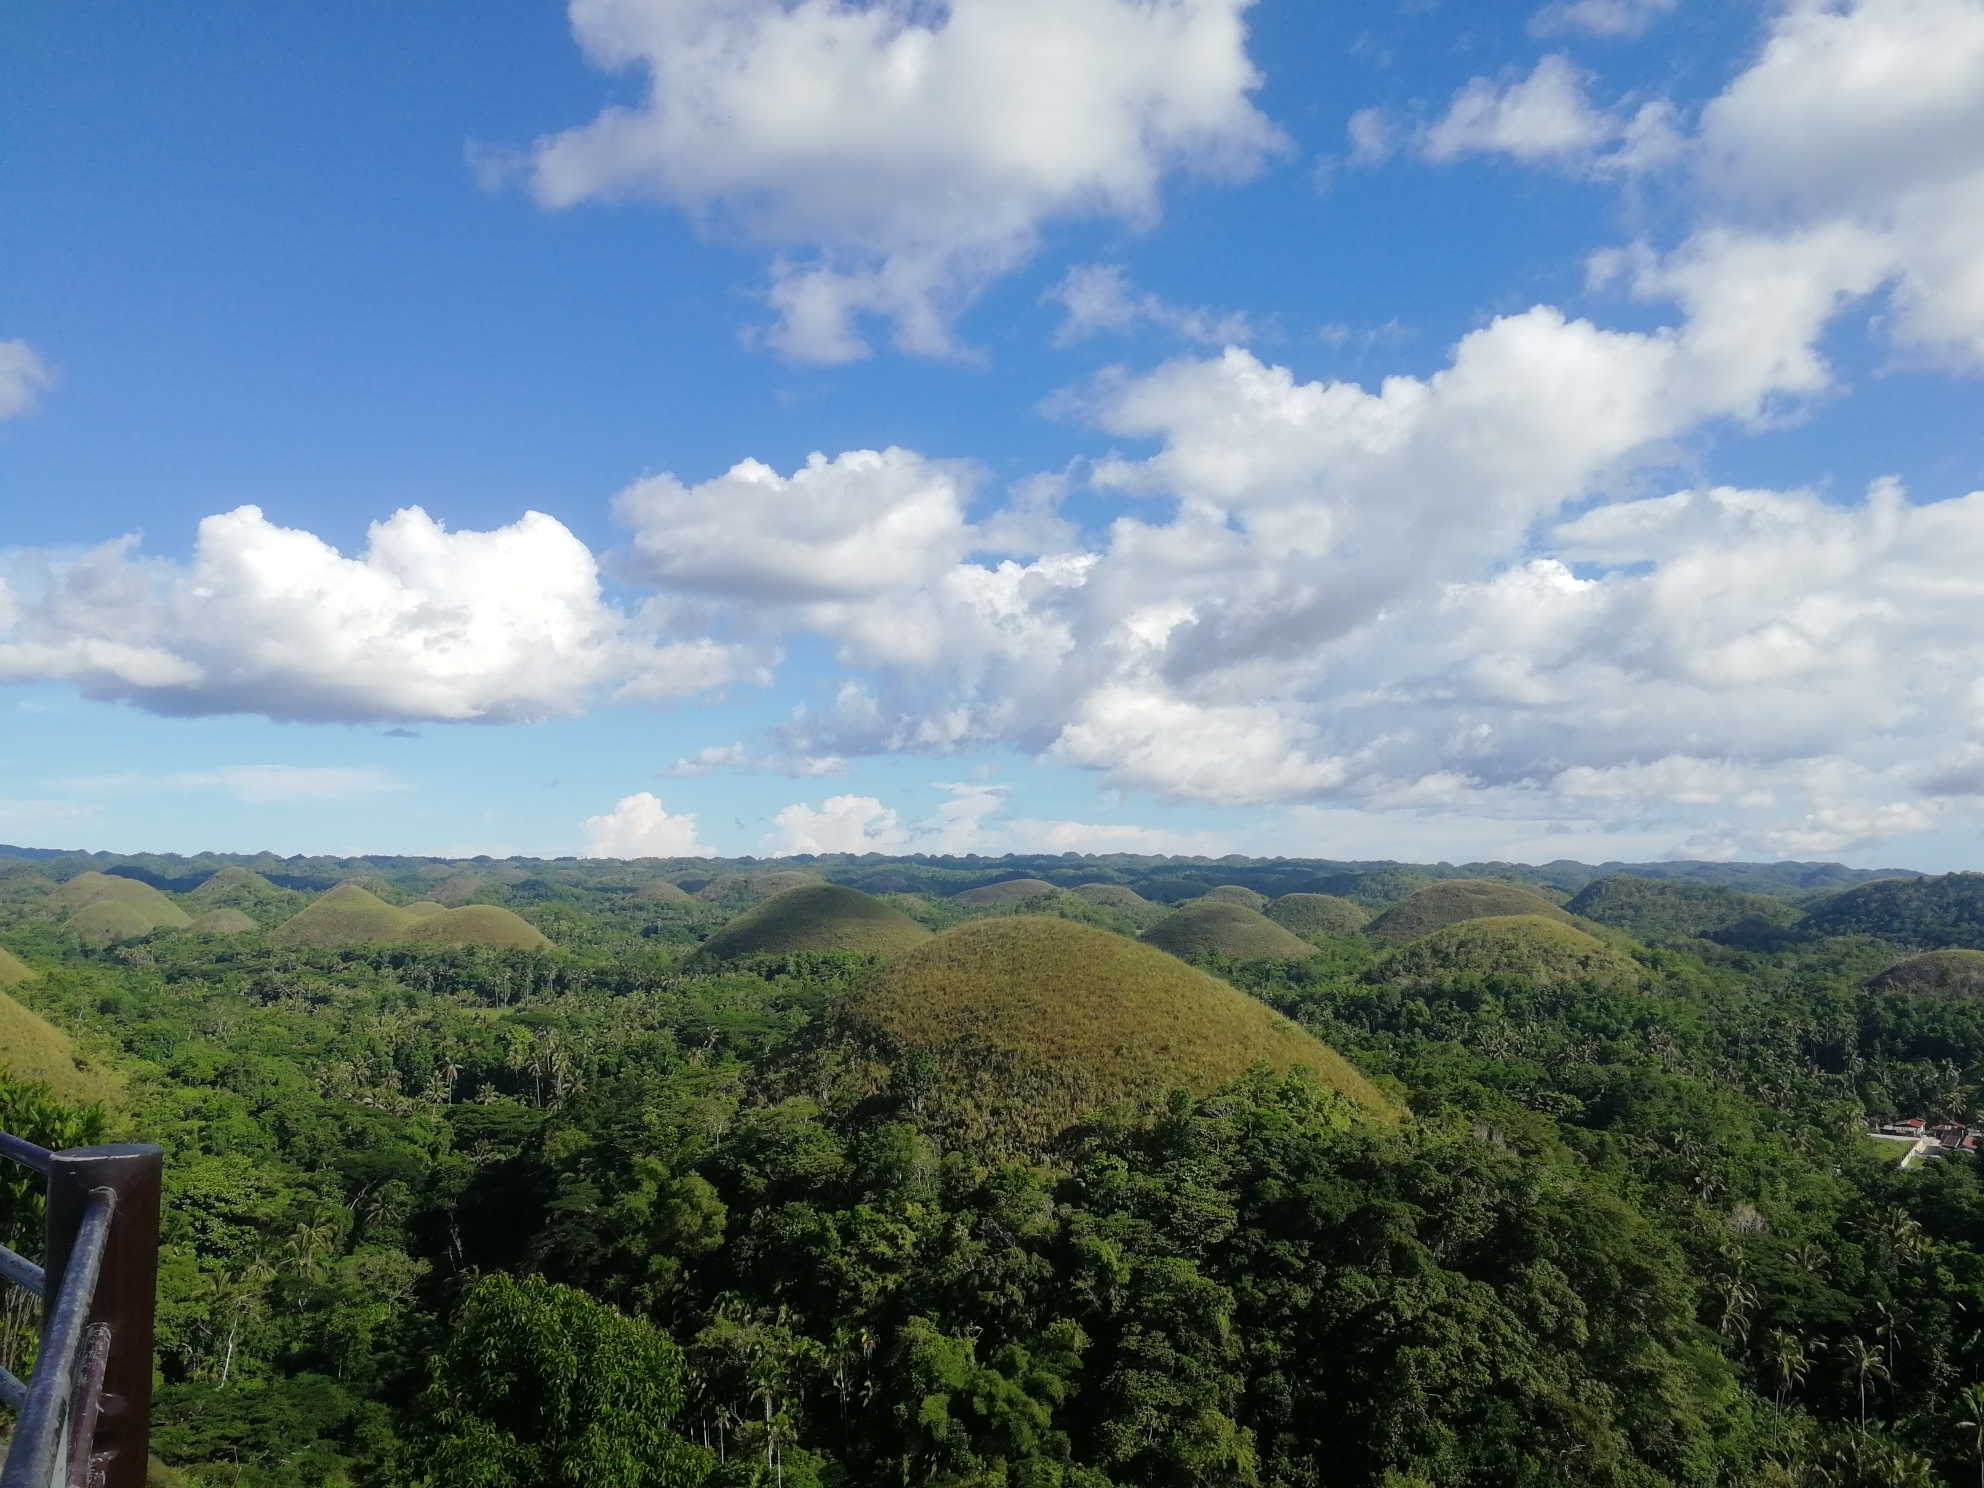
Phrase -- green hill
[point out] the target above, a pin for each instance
(998, 895)
(87, 890)
(816, 917)
(1236, 894)
(1036, 1023)
(32, 1048)
(110, 919)
(1946, 973)
(459, 889)
(1656, 910)
(222, 922)
(1930, 913)
(345, 915)
(1441, 904)
(250, 893)
(13, 970)
(1115, 896)
(424, 908)
(1533, 946)
(1317, 914)
(660, 889)
(474, 924)
(1214, 927)
(742, 890)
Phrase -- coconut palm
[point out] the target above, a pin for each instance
(1863, 1364)
(1971, 1400)
(1785, 1357)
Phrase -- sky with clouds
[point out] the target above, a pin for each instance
(658, 427)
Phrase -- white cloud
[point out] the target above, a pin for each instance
(843, 824)
(255, 785)
(1599, 17)
(640, 827)
(23, 378)
(1542, 117)
(22, 822)
(974, 819)
(1098, 297)
(909, 155)
(424, 624)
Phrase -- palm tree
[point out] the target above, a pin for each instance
(1785, 1356)
(1971, 1399)
(1862, 1362)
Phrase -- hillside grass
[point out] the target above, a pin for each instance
(13, 970)
(1236, 894)
(1317, 914)
(664, 891)
(87, 890)
(1953, 973)
(248, 892)
(110, 919)
(34, 1049)
(742, 890)
(1449, 903)
(816, 917)
(343, 916)
(1115, 896)
(1218, 927)
(998, 895)
(1664, 910)
(1542, 949)
(474, 924)
(1038, 1023)
(223, 922)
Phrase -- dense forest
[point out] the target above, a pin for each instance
(675, 1184)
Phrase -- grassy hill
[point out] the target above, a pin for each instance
(86, 891)
(253, 895)
(1217, 927)
(816, 917)
(110, 919)
(345, 915)
(660, 889)
(1236, 894)
(1657, 910)
(1931, 913)
(735, 891)
(222, 922)
(997, 895)
(32, 1048)
(13, 970)
(1442, 904)
(474, 924)
(1037, 1023)
(1115, 896)
(1317, 914)
(1951, 973)
(1532, 946)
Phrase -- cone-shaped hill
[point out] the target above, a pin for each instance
(1946, 973)
(816, 917)
(1442, 904)
(742, 890)
(345, 915)
(662, 890)
(32, 1048)
(474, 924)
(997, 895)
(1037, 1022)
(1317, 914)
(13, 970)
(1216, 927)
(250, 893)
(1532, 946)
(222, 922)
(87, 890)
(109, 919)
(1236, 894)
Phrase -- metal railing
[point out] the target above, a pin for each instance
(84, 1417)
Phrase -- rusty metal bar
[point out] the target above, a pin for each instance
(85, 1409)
(38, 1435)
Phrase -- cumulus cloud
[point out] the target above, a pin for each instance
(424, 624)
(973, 819)
(900, 158)
(640, 827)
(1098, 297)
(1543, 118)
(23, 378)
(842, 824)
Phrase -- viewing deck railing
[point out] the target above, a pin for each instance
(84, 1416)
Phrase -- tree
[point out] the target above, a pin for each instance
(1972, 1400)
(1862, 1364)
(539, 1386)
(1785, 1357)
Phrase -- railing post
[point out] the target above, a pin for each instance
(126, 1293)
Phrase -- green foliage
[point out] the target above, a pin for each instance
(1442, 904)
(539, 1386)
(1658, 911)
(1925, 913)
(1527, 946)
(1950, 973)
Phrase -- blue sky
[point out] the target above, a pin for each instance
(1421, 431)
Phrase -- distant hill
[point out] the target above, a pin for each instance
(1657, 910)
(1008, 891)
(816, 917)
(345, 915)
(1542, 949)
(1218, 927)
(222, 922)
(1317, 914)
(473, 924)
(1930, 913)
(1236, 894)
(250, 893)
(1114, 896)
(1442, 904)
(661, 891)
(1946, 973)
(1036, 1023)
(89, 895)
(742, 890)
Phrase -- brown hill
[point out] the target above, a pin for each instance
(32, 1048)
(1954, 973)
(13, 970)
(998, 895)
(1532, 946)
(1317, 914)
(87, 889)
(474, 924)
(1236, 894)
(1442, 904)
(1215, 927)
(816, 917)
(661, 889)
(1037, 1023)
(345, 915)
